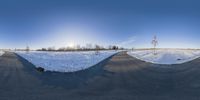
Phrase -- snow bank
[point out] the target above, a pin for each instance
(1, 53)
(65, 61)
(166, 56)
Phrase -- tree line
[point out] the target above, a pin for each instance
(87, 47)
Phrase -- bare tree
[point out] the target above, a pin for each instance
(78, 47)
(51, 49)
(43, 49)
(133, 49)
(110, 47)
(27, 48)
(115, 47)
(88, 46)
(97, 48)
(154, 43)
(62, 49)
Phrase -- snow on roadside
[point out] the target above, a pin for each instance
(1, 53)
(166, 56)
(65, 61)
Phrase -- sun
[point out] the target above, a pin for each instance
(71, 45)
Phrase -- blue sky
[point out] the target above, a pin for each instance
(127, 23)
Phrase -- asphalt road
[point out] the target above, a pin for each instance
(120, 77)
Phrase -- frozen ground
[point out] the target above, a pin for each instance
(65, 61)
(166, 56)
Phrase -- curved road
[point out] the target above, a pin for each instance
(121, 77)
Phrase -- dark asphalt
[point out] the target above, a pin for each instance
(120, 77)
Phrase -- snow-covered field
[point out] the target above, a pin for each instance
(65, 61)
(166, 56)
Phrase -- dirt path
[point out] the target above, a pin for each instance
(120, 78)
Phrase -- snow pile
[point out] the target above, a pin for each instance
(166, 56)
(1, 53)
(65, 61)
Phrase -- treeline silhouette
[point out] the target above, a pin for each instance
(88, 47)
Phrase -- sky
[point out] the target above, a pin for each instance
(126, 23)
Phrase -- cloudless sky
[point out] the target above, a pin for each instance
(127, 23)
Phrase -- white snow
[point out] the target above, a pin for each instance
(166, 56)
(65, 61)
(1, 53)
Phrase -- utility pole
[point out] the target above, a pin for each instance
(154, 43)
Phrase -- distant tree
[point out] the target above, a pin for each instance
(70, 48)
(62, 49)
(27, 48)
(155, 43)
(88, 46)
(110, 47)
(121, 48)
(83, 48)
(51, 49)
(115, 47)
(44, 49)
(97, 48)
(78, 47)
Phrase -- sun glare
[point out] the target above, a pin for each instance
(71, 45)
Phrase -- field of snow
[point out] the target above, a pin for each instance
(166, 56)
(65, 61)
